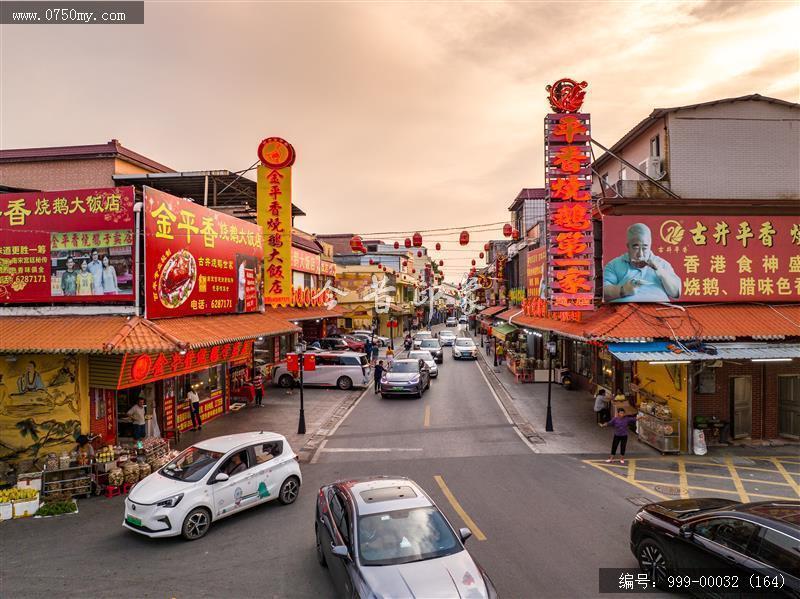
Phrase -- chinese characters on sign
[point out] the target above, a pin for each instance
(701, 258)
(67, 246)
(568, 181)
(198, 260)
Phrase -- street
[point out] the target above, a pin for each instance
(543, 523)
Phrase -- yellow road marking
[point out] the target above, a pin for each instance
(683, 483)
(737, 481)
(786, 475)
(460, 510)
(631, 470)
(427, 422)
(624, 479)
(735, 492)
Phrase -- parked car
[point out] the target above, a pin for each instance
(207, 482)
(419, 336)
(692, 536)
(353, 343)
(406, 377)
(464, 347)
(343, 370)
(463, 320)
(385, 537)
(329, 344)
(452, 321)
(447, 338)
(433, 346)
(425, 356)
(379, 339)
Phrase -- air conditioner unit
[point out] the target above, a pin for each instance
(653, 167)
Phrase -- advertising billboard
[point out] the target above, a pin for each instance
(67, 246)
(198, 260)
(701, 258)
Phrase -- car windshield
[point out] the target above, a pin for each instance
(429, 343)
(447, 334)
(192, 465)
(464, 342)
(421, 355)
(405, 536)
(405, 367)
(425, 335)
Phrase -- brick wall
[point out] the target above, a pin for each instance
(54, 175)
(764, 377)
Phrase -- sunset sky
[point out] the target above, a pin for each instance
(404, 115)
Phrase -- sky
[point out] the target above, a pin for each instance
(405, 115)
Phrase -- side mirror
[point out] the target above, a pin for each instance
(340, 551)
(685, 532)
(221, 477)
(464, 533)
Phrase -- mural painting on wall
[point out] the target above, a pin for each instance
(39, 411)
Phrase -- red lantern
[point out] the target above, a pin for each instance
(417, 240)
(486, 247)
(473, 264)
(463, 239)
(357, 244)
(441, 262)
(438, 246)
(309, 362)
(396, 245)
(480, 255)
(405, 262)
(507, 230)
(515, 234)
(407, 242)
(292, 363)
(419, 253)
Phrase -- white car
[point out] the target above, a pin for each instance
(425, 355)
(464, 347)
(462, 320)
(451, 321)
(344, 370)
(419, 336)
(211, 480)
(379, 339)
(447, 338)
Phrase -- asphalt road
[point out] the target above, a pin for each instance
(549, 520)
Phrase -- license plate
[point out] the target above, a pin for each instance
(133, 520)
(398, 388)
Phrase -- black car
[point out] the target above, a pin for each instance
(690, 537)
(330, 344)
(385, 537)
(433, 346)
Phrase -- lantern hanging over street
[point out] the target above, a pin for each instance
(405, 262)
(396, 245)
(438, 246)
(417, 240)
(357, 244)
(419, 253)
(480, 255)
(441, 262)
(413, 270)
(515, 234)
(407, 242)
(371, 261)
(507, 230)
(486, 246)
(463, 239)
(473, 263)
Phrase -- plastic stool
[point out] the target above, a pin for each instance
(126, 488)
(112, 491)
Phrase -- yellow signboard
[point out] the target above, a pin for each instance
(274, 191)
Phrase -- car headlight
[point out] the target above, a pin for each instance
(383, 380)
(170, 501)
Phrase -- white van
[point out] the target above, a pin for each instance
(342, 369)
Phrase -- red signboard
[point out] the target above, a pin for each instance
(568, 181)
(198, 260)
(67, 246)
(138, 369)
(304, 261)
(535, 267)
(701, 258)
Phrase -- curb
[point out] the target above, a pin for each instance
(306, 453)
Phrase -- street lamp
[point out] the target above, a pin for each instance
(300, 349)
(551, 350)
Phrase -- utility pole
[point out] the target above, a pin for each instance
(551, 350)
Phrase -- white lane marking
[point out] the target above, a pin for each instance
(505, 412)
(368, 449)
(315, 457)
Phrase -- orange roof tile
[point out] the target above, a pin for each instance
(292, 313)
(204, 331)
(492, 310)
(516, 310)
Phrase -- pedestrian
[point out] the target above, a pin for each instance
(500, 352)
(407, 342)
(368, 348)
(389, 357)
(194, 400)
(258, 385)
(601, 407)
(378, 375)
(136, 414)
(620, 423)
(375, 352)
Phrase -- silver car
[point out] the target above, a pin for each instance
(425, 356)
(384, 537)
(447, 338)
(406, 377)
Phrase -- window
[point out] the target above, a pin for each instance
(348, 323)
(264, 452)
(264, 351)
(191, 465)
(707, 381)
(339, 514)
(655, 146)
(298, 279)
(583, 359)
(236, 464)
(779, 551)
(623, 174)
(729, 532)
(286, 345)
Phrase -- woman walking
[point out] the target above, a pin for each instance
(620, 423)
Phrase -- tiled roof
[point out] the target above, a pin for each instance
(516, 310)
(645, 322)
(110, 149)
(291, 313)
(491, 311)
(204, 331)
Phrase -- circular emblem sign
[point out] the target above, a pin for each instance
(140, 368)
(276, 153)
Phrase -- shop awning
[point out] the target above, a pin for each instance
(501, 330)
(492, 310)
(512, 313)
(292, 313)
(658, 352)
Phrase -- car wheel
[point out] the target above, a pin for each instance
(320, 553)
(653, 561)
(344, 383)
(290, 489)
(196, 524)
(286, 381)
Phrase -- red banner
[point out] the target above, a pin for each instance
(67, 246)
(701, 258)
(535, 267)
(198, 260)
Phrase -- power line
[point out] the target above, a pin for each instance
(434, 230)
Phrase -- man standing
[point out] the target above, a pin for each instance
(136, 414)
(258, 385)
(368, 348)
(96, 268)
(639, 275)
(194, 400)
(378, 375)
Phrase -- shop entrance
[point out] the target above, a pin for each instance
(789, 405)
(741, 398)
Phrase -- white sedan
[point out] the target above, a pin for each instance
(464, 347)
(447, 338)
(211, 480)
(425, 355)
